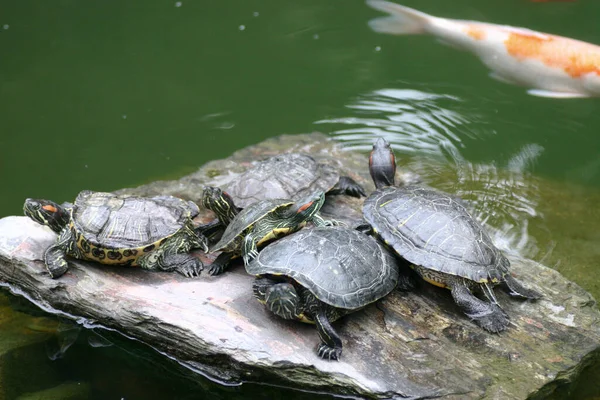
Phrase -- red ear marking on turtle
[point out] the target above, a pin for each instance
(305, 206)
(371, 159)
(392, 158)
(50, 208)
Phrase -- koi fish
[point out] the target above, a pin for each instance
(552, 66)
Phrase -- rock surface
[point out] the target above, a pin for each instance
(408, 345)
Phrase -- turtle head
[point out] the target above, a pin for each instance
(305, 208)
(382, 164)
(47, 213)
(220, 203)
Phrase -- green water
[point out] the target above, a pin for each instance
(105, 95)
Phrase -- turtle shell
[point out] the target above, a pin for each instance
(433, 230)
(107, 225)
(285, 176)
(245, 219)
(340, 266)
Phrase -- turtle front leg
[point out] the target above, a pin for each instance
(318, 221)
(174, 254)
(191, 239)
(515, 289)
(220, 264)
(486, 314)
(347, 185)
(249, 248)
(185, 264)
(55, 255)
(279, 297)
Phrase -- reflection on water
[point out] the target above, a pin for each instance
(428, 132)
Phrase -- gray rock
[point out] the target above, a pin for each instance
(413, 345)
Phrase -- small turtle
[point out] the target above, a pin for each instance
(445, 245)
(290, 176)
(260, 222)
(151, 232)
(319, 274)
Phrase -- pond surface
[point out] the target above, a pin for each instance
(115, 94)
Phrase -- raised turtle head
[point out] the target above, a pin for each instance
(382, 164)
(220, 203)
(305, 208)
(47, 213)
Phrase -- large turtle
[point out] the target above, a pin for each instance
(319, 274)
(445, 245)
(289, 176)
(259, 223)
(154, 233)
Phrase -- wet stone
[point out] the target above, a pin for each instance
(408, 345)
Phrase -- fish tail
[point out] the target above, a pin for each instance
(401, 21)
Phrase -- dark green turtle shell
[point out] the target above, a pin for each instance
(340, 266)
(124, 222)
(246, 218)
(432, 229)
(285, 176)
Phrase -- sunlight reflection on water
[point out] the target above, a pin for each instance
(428, 131)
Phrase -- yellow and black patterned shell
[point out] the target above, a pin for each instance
(284, 176)
(340, 266)
(116, 229)
(432, 229)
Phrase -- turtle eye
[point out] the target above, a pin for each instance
(305, 206)
(50, 208)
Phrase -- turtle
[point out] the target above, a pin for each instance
(259, 223)
(154, 233)
(444, 244)
(320, 274)
(289, 176)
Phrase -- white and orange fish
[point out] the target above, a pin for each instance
(552, 66)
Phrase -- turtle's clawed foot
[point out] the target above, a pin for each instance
(220, 264)
(216, 269)
(334, 222)
(492, 320)
(185, 264)
(348, 186)
(329, 353)
(56, 264)
(487, 315)
(515, 289)
(250, 256)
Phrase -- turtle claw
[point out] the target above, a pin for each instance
(334, 222)
(494, 320)
(329, 353)
(348, 186)
(191, 269)
(220, 264)
(216, 269)
(248, 258)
